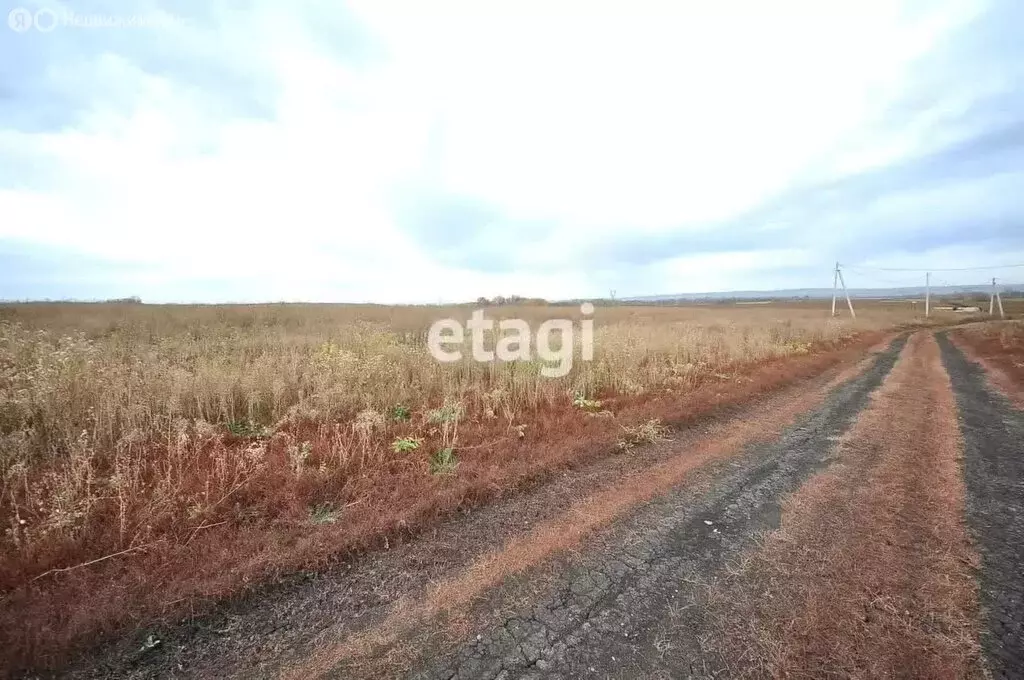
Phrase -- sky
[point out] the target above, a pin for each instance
(397, 151)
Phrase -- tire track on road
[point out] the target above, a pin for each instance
(871, 573)
(993, 434)
(631, 604)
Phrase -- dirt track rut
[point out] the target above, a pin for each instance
(634, 607)
(993, 432)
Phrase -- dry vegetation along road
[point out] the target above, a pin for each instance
(865, 522)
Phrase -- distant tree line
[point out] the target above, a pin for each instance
(133, 300)
(499, 300)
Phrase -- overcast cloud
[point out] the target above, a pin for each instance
(383, 151)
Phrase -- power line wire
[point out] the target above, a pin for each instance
(935, 269)
(871, 280)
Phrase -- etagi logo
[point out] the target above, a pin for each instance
(516, 340)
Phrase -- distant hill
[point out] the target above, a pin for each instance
(826, 293)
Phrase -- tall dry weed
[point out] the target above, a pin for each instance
(122, 424)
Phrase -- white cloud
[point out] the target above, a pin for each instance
(596, 119)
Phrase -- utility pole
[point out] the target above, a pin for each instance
(849, 304)
(835, 284)
(927, 293)
(997, 298)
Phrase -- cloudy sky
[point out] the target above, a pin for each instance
(380, 151)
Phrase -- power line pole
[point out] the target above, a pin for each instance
(927, 293)
(849, 304)
(998, 299)
(835, 284)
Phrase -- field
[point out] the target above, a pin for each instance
(154, 457)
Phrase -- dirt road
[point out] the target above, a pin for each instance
(868, 521)
(993, 432)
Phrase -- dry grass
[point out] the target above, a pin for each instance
(648, 432)
(871, 572)
(999, 348)
(202, 447)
